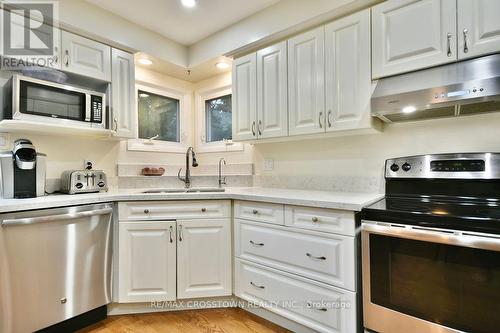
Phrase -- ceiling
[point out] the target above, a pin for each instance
(184, 25)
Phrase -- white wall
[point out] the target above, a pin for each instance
(83, 17)
(364, 155)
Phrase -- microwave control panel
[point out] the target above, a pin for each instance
(96, 107)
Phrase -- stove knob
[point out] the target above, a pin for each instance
(78, 185)
(406, 167)
(394, 167)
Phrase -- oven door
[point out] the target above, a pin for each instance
(419, 280)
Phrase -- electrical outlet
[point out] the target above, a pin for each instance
(88, 164)
(4, 141)
(268, 165)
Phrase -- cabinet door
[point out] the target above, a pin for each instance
(412, 34)
(272, 108)
(204, 258)
(244, 98)
(123, 94)
(478, 27)
(147, 261)
(86, 57)
(348, 72)
(306, 91)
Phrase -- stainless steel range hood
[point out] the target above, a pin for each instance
(461, 88)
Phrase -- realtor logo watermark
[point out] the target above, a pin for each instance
(28, 33)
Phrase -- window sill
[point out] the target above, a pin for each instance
(156, 146)
(219, 147)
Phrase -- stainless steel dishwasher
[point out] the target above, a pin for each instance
(54, 264)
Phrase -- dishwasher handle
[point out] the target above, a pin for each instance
(57, 217)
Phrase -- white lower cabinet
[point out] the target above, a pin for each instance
(304, 269)
(323, 257)
(319, 306)
(204, 258)
(165, 259)
(147, 260)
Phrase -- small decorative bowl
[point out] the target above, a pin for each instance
(152, 171)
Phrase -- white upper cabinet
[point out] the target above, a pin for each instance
(478, 27)
(86, 57)
(204, 258)
(272, 109)
(147, 261)
(306, 90)
(412, 34)
(244, 98)
(123, 102)
(348, 72)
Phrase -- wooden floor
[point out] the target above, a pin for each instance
(232, 320)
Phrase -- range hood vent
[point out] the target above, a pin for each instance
(461, 88)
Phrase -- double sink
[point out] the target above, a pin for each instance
(187, 190)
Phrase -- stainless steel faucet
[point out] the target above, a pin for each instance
(222, 180)
(187, 178)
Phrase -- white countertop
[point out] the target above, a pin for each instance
(322, 199)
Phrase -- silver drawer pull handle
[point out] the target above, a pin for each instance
(255, 211)
(315, 219)
(466, 48)
(314, 257)
(310, 305)
(256, 244)
(256, 285)
(448, 38)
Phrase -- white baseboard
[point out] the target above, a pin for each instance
(186, 304)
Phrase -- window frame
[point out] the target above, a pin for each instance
(201, 96)
(138, 144)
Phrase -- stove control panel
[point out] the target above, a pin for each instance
(445, 166)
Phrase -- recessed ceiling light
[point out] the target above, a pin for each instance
(222, 65)
(409, 109)
(145, 61)
(188, 3)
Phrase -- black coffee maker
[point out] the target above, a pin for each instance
(22, 171)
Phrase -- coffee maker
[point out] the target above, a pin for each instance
(22, 171)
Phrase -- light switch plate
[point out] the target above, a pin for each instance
(268, 165)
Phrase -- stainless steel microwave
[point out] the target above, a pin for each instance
(41, 101)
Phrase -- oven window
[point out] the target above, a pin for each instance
(51, 102)
(449, 285)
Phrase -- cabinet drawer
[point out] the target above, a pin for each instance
(259, 212)
(328, 258)
(315, 305)
(327, 220)
(162, 210)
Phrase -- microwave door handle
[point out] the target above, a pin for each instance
(88, 108)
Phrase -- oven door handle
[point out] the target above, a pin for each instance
(431, 235)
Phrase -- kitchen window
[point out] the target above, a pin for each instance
(214, 120)
(158, 117)
(162, 119)
(218, 119)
